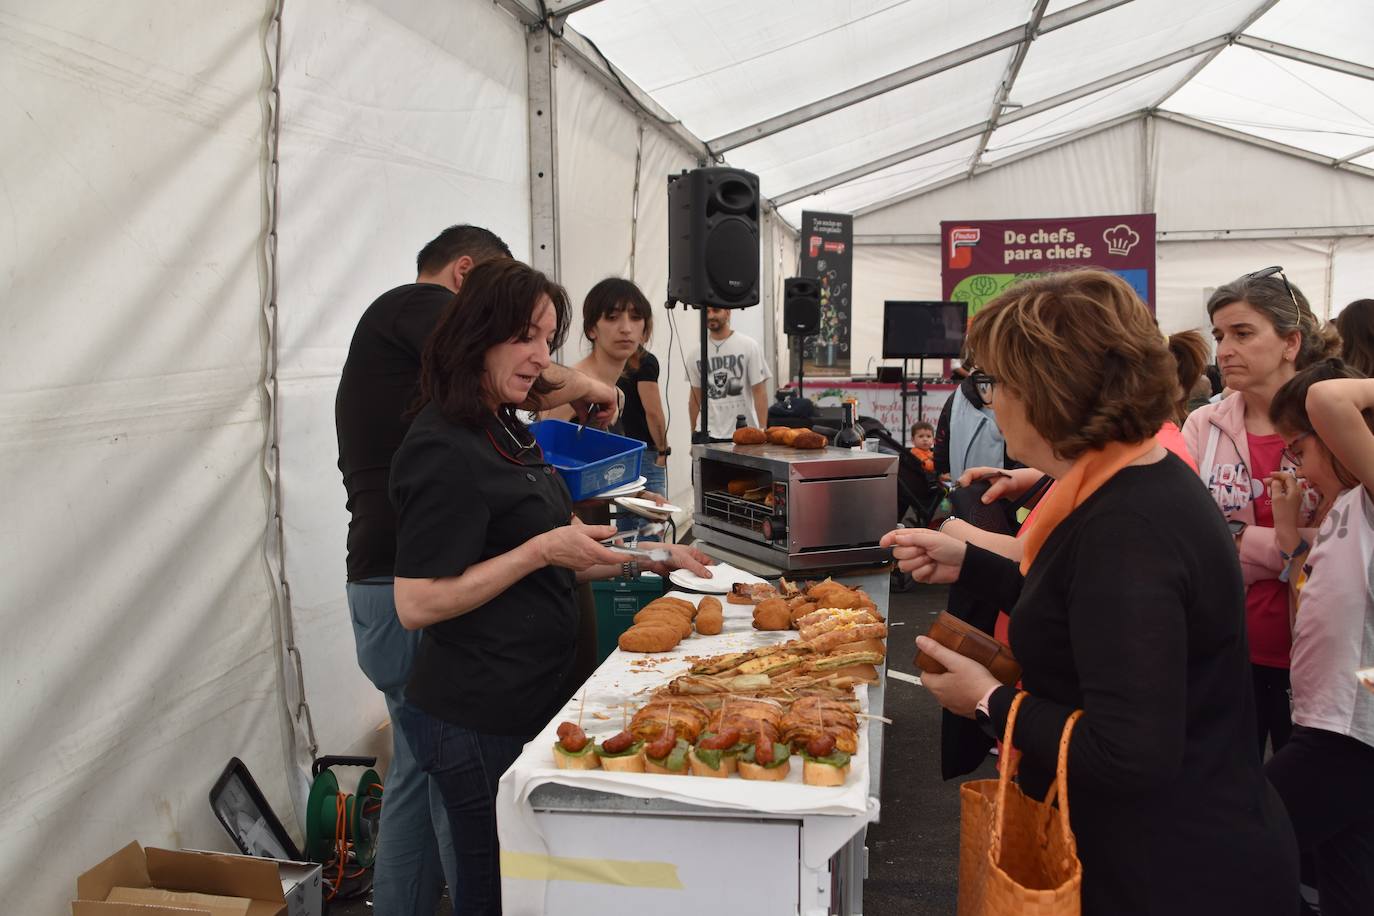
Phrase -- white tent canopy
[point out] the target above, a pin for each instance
(200, 198)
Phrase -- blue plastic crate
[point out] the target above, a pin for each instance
(589, 460)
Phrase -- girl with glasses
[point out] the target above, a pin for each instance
(1326, 414)
(1265, 332)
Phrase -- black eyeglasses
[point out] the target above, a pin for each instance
(1278, 272)
(1291, 456)
(984, 385)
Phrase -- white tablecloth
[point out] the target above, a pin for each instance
(622, 684)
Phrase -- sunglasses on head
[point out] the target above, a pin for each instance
(1268, 272)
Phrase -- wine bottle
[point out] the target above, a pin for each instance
(849, 436)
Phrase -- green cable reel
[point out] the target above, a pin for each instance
(360, 815)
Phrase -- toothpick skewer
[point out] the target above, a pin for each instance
(864, 715)
(582, 707)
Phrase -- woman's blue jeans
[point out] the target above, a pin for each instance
(466, 765)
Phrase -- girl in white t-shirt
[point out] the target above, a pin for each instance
(1325, 773)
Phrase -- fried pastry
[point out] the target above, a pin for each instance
(772, 614)
(710, 617)
(649, 637)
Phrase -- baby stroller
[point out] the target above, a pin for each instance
(919, 493)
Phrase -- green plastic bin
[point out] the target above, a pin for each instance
(617, 602)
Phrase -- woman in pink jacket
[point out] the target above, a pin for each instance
(1265, 332)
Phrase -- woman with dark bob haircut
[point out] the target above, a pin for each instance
(487, 557)
(1127, 604)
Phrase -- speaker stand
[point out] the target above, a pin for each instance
(920, 388)
(703, 368)
(906, 427)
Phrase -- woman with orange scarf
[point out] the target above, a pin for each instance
(1128, 604)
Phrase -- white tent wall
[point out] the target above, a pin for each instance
(1097, 174)
(1352, 272)
(883, 272)
(1202, 184)
(399, 118)
(607, 229)
(1205, 181)
(139, 650)
(780, 246)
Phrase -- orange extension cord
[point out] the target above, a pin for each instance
(342, 844)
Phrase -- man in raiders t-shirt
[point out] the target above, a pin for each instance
(372, 412)
(737, 375)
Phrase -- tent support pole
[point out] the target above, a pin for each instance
(539, 56)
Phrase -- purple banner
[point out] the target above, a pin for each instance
(981, 258)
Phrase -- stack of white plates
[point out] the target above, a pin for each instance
(625, 489)
(646, 507)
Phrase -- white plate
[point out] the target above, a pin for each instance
(625, 489)
(723, 576)
(646, 507)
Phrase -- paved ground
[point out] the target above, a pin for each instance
(914, 850)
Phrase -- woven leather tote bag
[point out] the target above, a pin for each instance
(1017, 856)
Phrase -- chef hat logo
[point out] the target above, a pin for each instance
(1120, 239)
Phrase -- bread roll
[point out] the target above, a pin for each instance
(777, 435)
(666, 618)
(772, 614)
(823, 774)
(808, 440)
(649, 637)
(749, 435)
(677, 604)
(710, 617)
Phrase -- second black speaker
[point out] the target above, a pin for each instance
(713, 237)
(801, 306)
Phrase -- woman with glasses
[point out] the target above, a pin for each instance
(1127, 604)
(1265, 333)
(487, 556)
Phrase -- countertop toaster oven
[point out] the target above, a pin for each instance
(795, 509)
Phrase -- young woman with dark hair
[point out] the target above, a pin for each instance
(488, 555)
(618, 322)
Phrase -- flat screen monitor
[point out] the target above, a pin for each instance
(913, 330)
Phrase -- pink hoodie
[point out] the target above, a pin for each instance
(1219, 429)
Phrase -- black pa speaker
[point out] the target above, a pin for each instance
(801, 306)
(713, 238)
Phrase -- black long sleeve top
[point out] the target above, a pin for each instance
(1134, 611)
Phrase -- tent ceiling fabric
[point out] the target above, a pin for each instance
(722, 68)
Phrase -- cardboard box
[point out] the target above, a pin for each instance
(178, 870)
(301, 883)
(214, 904)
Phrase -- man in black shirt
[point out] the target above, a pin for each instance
(372, 413)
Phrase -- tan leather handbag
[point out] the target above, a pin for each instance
(1017, 856)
